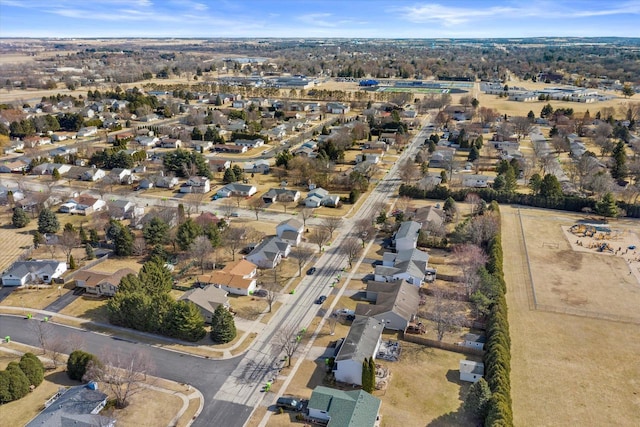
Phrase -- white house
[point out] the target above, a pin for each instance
(362, 341)
(475, 181)
(407, 235)
(249, 143)
(147, 141)
(22, 272)
(236, 188)
(269, 252)
(407, 264)
(471, 371)
(280, 195)
(337, 108)
(259, 166)
(196, 184)
(171, 143)
(290, 231)
(93, 174)
(87, 131)
(237, 277)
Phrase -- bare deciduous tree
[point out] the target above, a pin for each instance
(319, 236)
(233, 238)
(470, 258)
(351, 248)
(125, 375)
(227, 207)
(200, 250)
(68, 241)
(301, 254)
(257, 206)
(474, 201)
(331, 224)
(365, 230)
(521, 125)
(482, 228)
(305, 214)
(447, 315)
(289, 340)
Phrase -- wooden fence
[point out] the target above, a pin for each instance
(442, 345)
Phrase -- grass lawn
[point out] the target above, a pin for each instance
(579, 368)
(90, 308)
(34, 298)
(149, 408)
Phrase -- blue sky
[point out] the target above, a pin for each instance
(318, 18)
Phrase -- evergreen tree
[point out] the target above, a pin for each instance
(72, 263)
(83, 235)
(155, 277)
(94, 239)
(18, 382)
(474, 154)
(48, 222)
(20, 219)
(619, 169)
(187, 232)
(55, 175)
(32, 368)
(607, 206)
(122, 239)
(88, 250)
(550, 187)
(450, 209)
(229, 176)
(223, 327)
(155, 232)
(366, 376)
(184, 321)
(478, 399)
(38, 239)
(77, 364)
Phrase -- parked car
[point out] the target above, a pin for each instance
(235, 214)
(321, 299)
(289, 403)
(311, 271)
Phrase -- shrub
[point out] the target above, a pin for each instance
(32, 368)
(77, 364)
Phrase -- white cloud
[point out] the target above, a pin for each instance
(317, 19)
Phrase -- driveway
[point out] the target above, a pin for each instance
(61, 302)
(5, 291)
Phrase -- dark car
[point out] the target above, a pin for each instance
(289, 403)
(321, 299)
(311, 271)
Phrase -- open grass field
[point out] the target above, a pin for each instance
(566, 369)
(13, 243)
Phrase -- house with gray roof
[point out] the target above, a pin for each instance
(237, 188)
(407, 235)
(23, 272)
(395, 304)
(290, 230)
(269, 252)
(281, 195)
(362, 341)
(343, 408)
(321, 197)
(207, 299)
(74, 406)
(408, 264)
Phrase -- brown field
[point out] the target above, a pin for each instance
(580, 369)
(13, 241)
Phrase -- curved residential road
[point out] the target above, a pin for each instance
(206, 375)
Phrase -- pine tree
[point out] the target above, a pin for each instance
(38, 239)
(607, 206)
(83, 235)
(88, 250)
(20, 219)
(72, 263)
(32, 368)
(48, 222)
(223, 327)
(478, 399)
(184, 321)
(368, 375)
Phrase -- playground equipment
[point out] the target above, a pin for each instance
(605, 247)
(583, 230)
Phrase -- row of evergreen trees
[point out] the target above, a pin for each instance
(17, 379)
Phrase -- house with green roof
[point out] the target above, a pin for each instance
(339, 408)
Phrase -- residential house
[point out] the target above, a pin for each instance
(121, 176)
(145, 184)
(93, 174)
(337, 108)
(340, 408)
(16, 166)
(269, 252)
(249, 143)
(276, 133)
(196, 184)
(259, 166)
(395, 303)
(304, 151)
(101, 284)
(476, 341)
(36, 140)
(280, 195)
(10, 195)
(388, 138)
(373, 158)
(362, 342)
(124, 209)
(166, 181)
(23, 272)
(207, 299)
(290, 231)
(74, 406)
(201, 146)
(148, 141)
(238, 277)
(219, 165)
(475, 181)
(170, 143)
(83, 205)
(442, 157)
(87, 131)
(237, 189)
(228, 148)
(48, 168)
(321, 197)
(407, 235)
(429, 216)
(407, 264)
(471, 371)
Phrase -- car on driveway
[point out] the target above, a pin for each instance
(289, 403)
(321, 299)
(311, 271)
